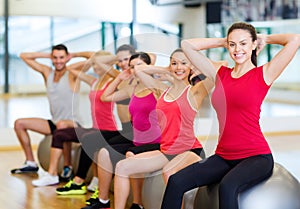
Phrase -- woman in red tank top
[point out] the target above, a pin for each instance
(179, 146)
(243, 157)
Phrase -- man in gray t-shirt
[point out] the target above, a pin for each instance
(62, 93)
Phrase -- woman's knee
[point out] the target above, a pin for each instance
(129, 154)
(103, 155)
(18, 124)
(166, 173)
(61, 124)
(122, 169)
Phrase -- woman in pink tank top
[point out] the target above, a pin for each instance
(146, 130)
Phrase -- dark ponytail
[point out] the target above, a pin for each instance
(254, 57)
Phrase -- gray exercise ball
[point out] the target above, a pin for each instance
(43, 154)
(280, 191)
(153, 192)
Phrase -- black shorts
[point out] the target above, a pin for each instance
(197, 151)
(117, 152)
(52, 126)
(144, 148)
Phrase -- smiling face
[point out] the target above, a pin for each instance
(180, 66)
(59, 59)
(240, 45)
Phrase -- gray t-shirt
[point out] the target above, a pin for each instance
(64, 103)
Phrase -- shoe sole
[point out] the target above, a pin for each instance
(45, 185)
(20, 172)
(71, 192)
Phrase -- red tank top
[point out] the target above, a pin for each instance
(102, 112)
(176, 120)
(237, 102)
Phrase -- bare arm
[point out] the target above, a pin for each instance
(83, 54)
(30, 59)
(83, 76)
(111, 94)
(146, 74)
(81, 64)
(276, 66)
(192, 48)
(109, 69)
(106, 59)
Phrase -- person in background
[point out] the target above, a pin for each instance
(62, 92)
(146, 131)
(243, 157)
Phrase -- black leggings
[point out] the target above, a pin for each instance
(90, 144)
(233, 176)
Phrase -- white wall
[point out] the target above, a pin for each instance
(115, 11)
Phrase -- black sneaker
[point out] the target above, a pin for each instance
(25, 169)
(66, 174)
(93, 199)
(136, 206)
(98, 205)
(71, 188)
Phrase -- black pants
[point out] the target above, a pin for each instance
(233, 176)
(90, 144)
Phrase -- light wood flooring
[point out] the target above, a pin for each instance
(18, 193)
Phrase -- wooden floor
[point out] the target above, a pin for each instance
(18, 193)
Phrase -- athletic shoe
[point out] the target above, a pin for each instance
(93, 199)
(93, 186)
(66, 174)
(46, 180)
(136, 206)
(98, 205)
(72, 188)
(26, 168)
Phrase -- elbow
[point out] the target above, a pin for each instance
(187, 45)
(184, 44)
(22, 56)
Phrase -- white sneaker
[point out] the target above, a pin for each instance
(93, 186)
(46, 180)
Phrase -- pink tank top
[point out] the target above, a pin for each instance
(176, 120)
(144, 120)
(237, 102)
(102, 112)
